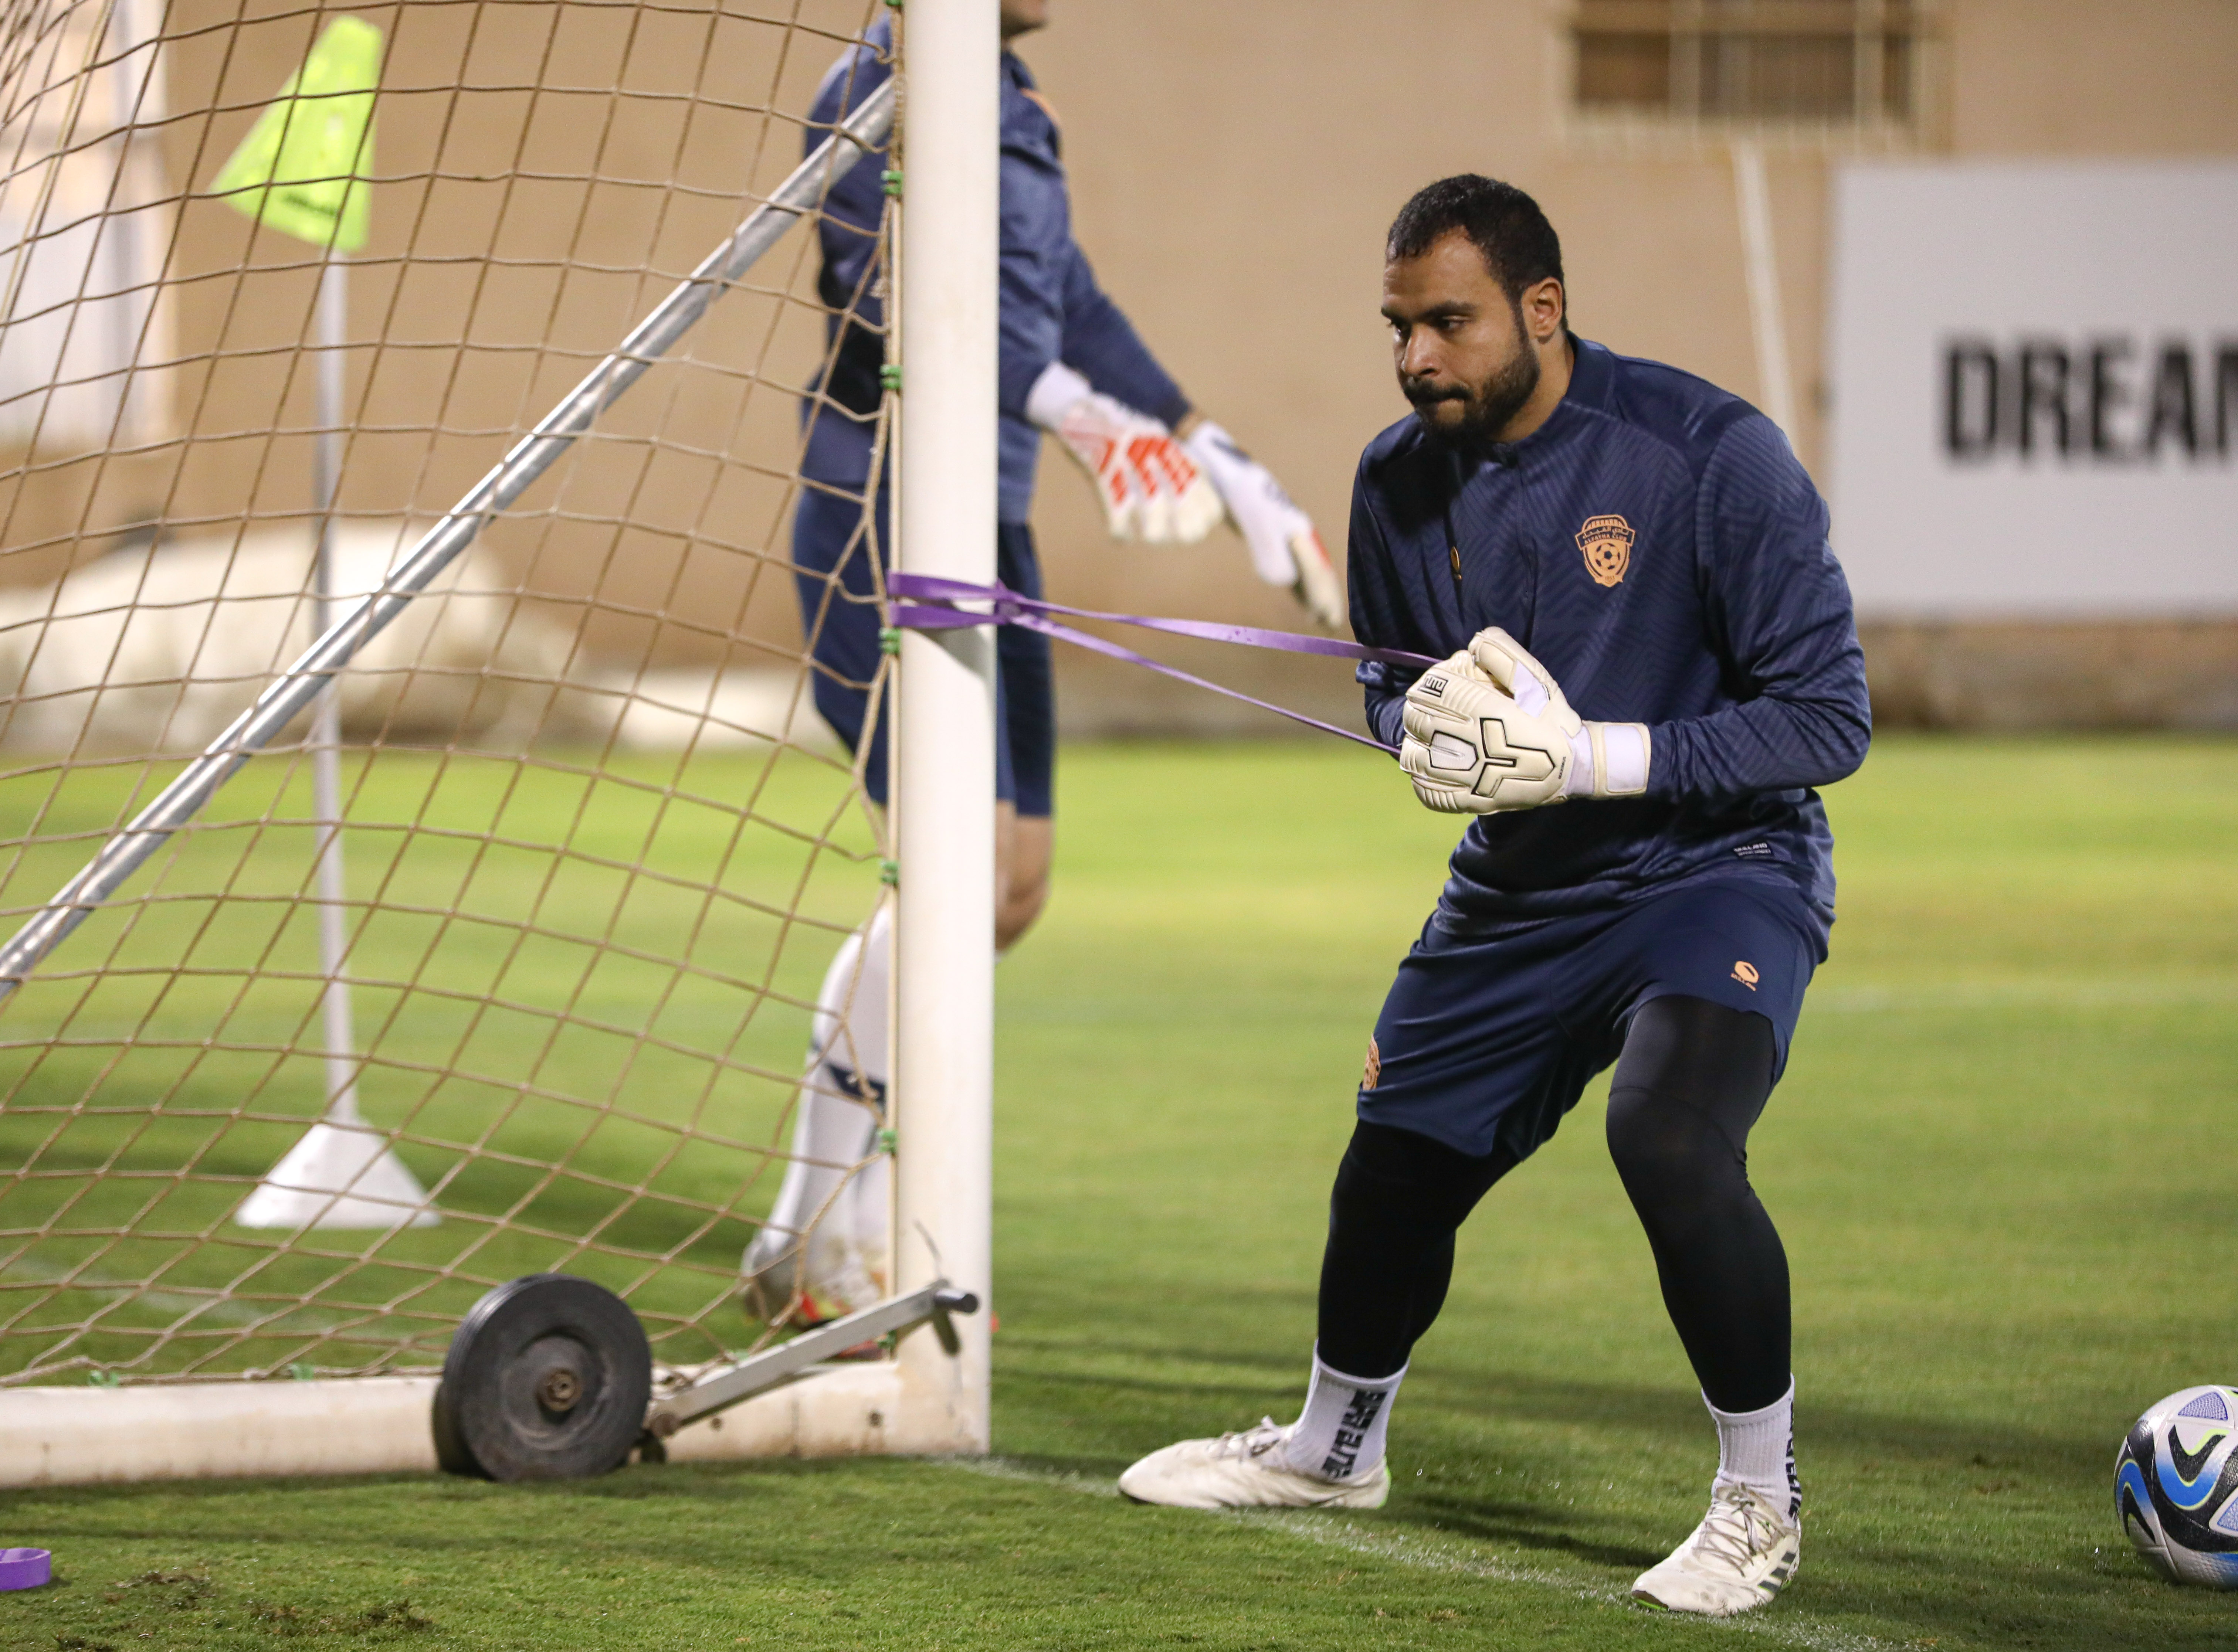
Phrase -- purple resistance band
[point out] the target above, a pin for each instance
(926, 602)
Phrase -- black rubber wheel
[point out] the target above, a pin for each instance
(548, 1378)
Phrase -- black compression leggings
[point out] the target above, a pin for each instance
(1692, 1080)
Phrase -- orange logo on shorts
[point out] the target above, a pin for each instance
(1375, 1067)
(1745, 972)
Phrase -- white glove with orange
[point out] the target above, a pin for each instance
(1488, 731)
(1285, 549)
(1160, 489)
(1152, 489)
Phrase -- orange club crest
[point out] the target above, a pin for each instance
(1606, 542)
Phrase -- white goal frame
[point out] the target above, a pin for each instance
(925, 1400)
(944, 742)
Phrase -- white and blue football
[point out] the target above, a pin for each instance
(2176, 1487)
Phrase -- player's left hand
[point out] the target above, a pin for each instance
(1489, 730)
(1285, 549)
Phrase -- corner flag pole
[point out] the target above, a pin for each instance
(326, 719)
(303, 170)
(288, 694)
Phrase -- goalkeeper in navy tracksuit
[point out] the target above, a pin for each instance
(1626, 574)
(1071, 365)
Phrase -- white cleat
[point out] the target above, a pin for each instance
(1246, 1470)
(1744, 1552)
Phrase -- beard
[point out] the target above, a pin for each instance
(1487, 409)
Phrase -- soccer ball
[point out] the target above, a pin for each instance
(2176, 1487)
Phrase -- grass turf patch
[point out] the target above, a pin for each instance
(1994, 1160)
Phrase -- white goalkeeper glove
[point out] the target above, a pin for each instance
(1285, 549)
(1152, 489)
(1489, 732)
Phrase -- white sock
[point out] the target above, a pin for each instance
(1339, 1435)
(1757, 1449)
(844, 1260)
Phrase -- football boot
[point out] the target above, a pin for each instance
(1247, 1470)
(1744, 1552)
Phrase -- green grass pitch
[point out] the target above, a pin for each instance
(1998, 1159)
(582, 991)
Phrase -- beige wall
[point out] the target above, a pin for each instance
(1234, 167)
(2075, 77)
(545, 172)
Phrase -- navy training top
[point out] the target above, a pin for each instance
(1657, 545)
(1051, 308)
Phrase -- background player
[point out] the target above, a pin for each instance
(1073, 366)
(1657, 546)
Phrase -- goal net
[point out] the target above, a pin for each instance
(500, 956)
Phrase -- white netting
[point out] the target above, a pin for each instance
(598, 851)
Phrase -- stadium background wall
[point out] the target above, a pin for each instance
(1234, 220)
(558, 284)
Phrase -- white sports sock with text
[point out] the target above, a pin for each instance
(1757, 1449)
(1340, 1434)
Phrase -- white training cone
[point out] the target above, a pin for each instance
(341, 1174)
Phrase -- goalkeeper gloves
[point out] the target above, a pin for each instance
(1285, 549)
(1152, 489)
(1488, 731)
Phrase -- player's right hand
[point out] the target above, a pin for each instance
(1152, 491)
(1607, 759)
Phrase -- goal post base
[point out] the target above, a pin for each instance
(53, 1437)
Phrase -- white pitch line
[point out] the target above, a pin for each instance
(1435, 1555)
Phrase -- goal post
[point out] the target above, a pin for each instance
(944, 749)
(599, 848)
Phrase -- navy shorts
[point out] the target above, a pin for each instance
(1485, 1043)
(830, 534)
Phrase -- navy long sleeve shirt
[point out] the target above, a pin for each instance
(1051, 308)
(1659, 548)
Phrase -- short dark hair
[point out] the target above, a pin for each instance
(1519, 247)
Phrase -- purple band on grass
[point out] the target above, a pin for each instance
(1007, 607)
(25, 1567)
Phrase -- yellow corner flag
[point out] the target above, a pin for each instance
(303, 167)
